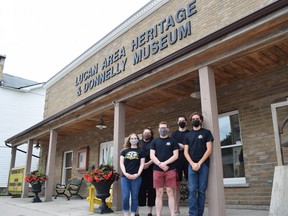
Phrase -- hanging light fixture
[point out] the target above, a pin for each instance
(196, 93)
(37, 146)
(101, 124)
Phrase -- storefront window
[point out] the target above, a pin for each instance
(231, 148)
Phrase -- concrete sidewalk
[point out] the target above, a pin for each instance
(75, 207)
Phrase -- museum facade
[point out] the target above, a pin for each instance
(227, 59)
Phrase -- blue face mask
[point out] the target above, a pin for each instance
(163, 131)
(134, 142)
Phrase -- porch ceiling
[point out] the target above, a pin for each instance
(256, 62)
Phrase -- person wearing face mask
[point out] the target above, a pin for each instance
(132, 159)
(197, 149)
(182, 163)
(147, 193)
(164, 153)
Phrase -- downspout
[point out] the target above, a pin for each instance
(21, 150)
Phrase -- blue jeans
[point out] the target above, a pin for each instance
(198, 182)
(130, 187)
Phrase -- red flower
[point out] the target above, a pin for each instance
(105, 172)
(36, 176)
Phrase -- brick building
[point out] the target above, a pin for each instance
(225, 58)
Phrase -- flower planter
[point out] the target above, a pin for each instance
(36, 178)
(102, 192)
(36, 188)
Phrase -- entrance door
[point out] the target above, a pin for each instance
(67, 166)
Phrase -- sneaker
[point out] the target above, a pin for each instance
(136, 214)
(149, 214)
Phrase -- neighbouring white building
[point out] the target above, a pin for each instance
(153, 67)
(22, 105)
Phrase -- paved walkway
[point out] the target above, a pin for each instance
(75, 207)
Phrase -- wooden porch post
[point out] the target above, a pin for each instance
(50, 171)
(12, 161)
(119, 138)
(216, 200)
(27, 168)
(13, 157)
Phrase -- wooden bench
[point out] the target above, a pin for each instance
(72, 188)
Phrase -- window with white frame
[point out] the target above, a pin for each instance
(67, 166)
(231, 148)
(106, 153)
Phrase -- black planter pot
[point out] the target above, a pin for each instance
(36, 188)
(103, 192)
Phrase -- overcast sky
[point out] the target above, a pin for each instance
(41, 37)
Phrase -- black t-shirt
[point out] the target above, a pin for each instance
(180, 137)
(146, 147)
(132, 158)
(164, 148)
(197, 139)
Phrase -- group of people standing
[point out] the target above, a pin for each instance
(151, 164)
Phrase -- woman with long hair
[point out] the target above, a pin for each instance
(132, 159)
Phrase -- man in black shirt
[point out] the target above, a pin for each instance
(198, 148)
(182, 163)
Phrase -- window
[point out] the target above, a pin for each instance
(106, 152)
(231, 148)
(67, 166)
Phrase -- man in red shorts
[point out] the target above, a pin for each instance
(164, 153)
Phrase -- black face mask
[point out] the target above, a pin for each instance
(146, 136)
(195, 123)
(182, 124)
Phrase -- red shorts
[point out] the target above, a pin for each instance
(161, 179)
